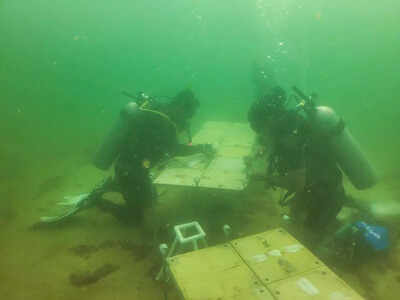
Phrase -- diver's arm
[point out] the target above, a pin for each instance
(293, 181)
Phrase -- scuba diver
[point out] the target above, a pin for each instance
(145, 134)
(310, 147)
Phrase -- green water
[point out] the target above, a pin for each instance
(64, 63)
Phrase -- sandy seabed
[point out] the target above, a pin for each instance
(94, 256)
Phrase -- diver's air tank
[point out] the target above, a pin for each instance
(112, 143)
(348, 153)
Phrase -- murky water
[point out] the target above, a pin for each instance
(63, 65)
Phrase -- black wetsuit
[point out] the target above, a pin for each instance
(151, 138)
(323, 195)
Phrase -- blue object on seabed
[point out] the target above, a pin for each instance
(375, 236)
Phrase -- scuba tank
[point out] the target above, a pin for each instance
(347, 151)
(110, 148)
(112, 143)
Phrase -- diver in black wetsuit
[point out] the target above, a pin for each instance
(145, 135)
(309, 146)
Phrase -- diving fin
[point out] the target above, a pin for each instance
(73, 204)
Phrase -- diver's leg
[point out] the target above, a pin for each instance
(324, 206)
(139, 195)
(95, 196)
(136, 187)
(126, 182)
(333, 206)
(298, 206)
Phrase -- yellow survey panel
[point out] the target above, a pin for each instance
(319, 284)
(269, 265)
(226, 171)
(216, 273)
(274, 255)
(289, 270)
